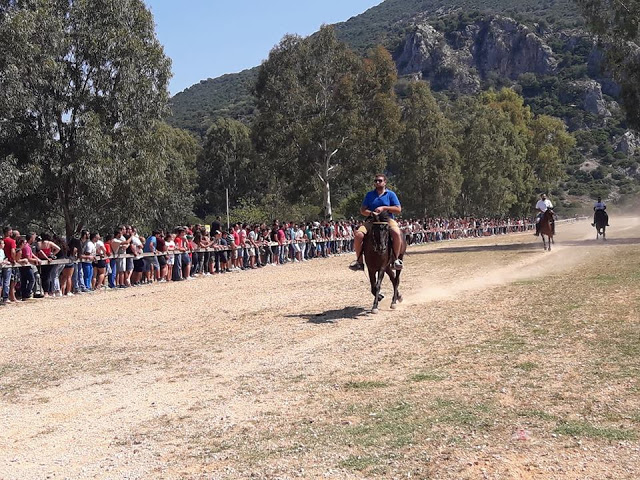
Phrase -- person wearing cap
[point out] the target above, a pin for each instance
(542, 206)
(379, 201)
(600, 205)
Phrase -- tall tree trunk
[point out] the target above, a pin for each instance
(69, 220)
(327, 200)
(324, 178)
(326, 187)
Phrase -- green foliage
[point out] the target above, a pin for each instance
(228, 96)
(322, 110)
(497, 178)
(83, 85)
(227, 161)
(428, 164)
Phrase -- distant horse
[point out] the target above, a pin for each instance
(379, 257)
(601, 224)
(547, 228)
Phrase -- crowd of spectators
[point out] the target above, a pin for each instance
(47, 265)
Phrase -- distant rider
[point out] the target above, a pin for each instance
(378, 201)
(600, 205)
(542, 206)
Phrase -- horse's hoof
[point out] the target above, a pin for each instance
(374, 310)
(393, 306)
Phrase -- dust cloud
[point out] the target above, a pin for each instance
(574, 244)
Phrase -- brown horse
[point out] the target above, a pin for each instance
(547, 228)
(379, 257)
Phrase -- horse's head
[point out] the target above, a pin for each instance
(380, 237)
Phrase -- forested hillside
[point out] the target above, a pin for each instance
(540, 49)
(228, 96)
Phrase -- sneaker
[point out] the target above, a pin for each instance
(397, 264)
(356, 265)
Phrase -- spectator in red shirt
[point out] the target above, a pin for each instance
(7, 282)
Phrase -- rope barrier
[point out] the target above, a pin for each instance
(66, 261)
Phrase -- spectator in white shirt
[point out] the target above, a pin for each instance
(600, 206)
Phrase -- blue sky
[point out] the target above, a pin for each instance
(208, 38)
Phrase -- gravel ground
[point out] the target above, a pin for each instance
(281, 372)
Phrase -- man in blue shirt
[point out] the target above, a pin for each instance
(378, 201)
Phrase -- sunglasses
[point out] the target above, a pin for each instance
(379, 180)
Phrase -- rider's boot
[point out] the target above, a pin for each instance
(357, 264)
(397, 265)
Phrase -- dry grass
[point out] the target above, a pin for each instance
(276, 376)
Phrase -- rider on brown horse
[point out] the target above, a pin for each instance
(379, 201)
(542, 206)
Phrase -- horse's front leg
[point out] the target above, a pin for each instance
(395, 280)
(544, 243)
(376, 291)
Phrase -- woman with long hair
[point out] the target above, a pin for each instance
(66, 276)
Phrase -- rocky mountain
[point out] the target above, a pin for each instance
(460, 60)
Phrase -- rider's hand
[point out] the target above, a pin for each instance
(378, 210)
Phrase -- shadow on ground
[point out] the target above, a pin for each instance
(481, 248)
(331, 316)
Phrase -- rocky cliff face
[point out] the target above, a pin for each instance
(629, 143)
(462, 59)
(593, 102)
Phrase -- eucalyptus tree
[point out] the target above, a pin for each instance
(82, 86)
(496, 178)
(318, 117)
(428, 164)
(507, 153)
(227, 161)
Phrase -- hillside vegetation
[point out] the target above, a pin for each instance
(576, 88)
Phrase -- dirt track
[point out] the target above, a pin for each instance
(278, 373)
